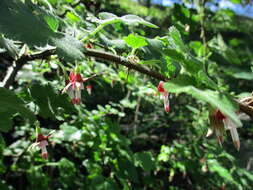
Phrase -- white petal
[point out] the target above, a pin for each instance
(243, 116)
(79, 85)
(229, 124)
(234, 134)
(209, 132)
(232, 127)
(166, 104)
(43, 144)
(71, 93)
(43, 149)
(78, 94)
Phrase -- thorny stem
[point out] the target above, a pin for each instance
(125, 62)
(244, 107)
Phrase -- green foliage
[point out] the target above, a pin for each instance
(145, 160)
(9, 46)
(127, 19)
(119, 137)
(223, 102)
(25, 18)
(10, 105)
(135, 41)
(49, 102)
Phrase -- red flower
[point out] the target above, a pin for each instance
(221, 122)
(74, 87)
(89, 45)
(164, 95)
(42, 142)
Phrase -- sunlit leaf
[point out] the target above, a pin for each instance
(135, 41)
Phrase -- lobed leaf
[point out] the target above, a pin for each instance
(10, 104)
(135, 41)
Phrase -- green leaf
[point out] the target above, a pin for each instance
(127, 170)
(198, 48)
(9, 46)
(135, 20)
(49, 101)
(99, 182)
(179, 52)
(214, 166)
(73, 17)
(145, 160)
(33, 26)
(68, 133)
(224, 102)
(206, 80)
(175, 39)
(132, 20)
(236, 1)
(169, 67)
(135, 41)
(52, 22)
(175, 55)
(105, 15)
(10, 104)
(25, 26)
(66, 167)
(68, 47)
(218, 45)
(247, 174)
(243, 75)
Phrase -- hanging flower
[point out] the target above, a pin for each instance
(42, 143)
(216, 121)
(74, 87)
(89, 45)
(89, 88)
(164, 95)
(220, 122)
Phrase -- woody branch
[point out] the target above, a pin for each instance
(245, 107)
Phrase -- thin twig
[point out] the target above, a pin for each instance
(18, 64)
(246, 108)
(93, 76)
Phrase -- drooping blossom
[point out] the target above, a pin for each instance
(89, 45)
(74, 87)
(89, 88)
(42, 143)
(164, 95)
(220, 123)
(217, 125)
